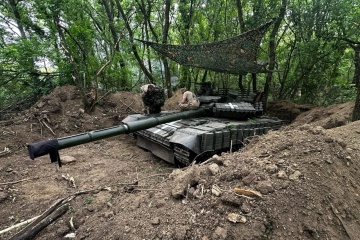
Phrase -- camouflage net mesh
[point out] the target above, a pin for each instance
(233, 55)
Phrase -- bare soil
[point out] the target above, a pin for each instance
(302, 181)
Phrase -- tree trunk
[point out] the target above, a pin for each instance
(240, 82)
(272, 49)
(133, 47)
(17, 15)
(146, 11)
(254, 85)
(240, 16)
(356, 81)
(186, 9)
(164, 41)
(30, 62)
(110, 17)
(87, 101)
(242, 30)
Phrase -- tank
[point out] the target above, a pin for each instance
(223, 122)
(229, 119)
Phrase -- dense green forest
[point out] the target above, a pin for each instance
(312, 49)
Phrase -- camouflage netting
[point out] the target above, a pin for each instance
(233, 55)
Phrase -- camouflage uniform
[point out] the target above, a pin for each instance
(154, 100)
(189, 100)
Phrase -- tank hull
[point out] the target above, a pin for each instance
(185, 140)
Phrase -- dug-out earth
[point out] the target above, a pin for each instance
(300, 182)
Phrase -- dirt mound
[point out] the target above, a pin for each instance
(327, 117)
(286, 110)
(300, 182)
(173, 102)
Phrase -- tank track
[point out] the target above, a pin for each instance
(182, 155)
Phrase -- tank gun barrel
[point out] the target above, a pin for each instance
(52, 146)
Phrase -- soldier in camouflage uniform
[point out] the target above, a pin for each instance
(189, 100)
(153, 98)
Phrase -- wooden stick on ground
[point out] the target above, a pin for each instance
(18, 225)
(19, 181)
(6, 151)
(54, 212)
(128, 106)
(23, 180)
(38, 223)
(43, 122)
(348, 233)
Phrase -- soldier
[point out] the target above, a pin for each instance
(144, 88)
(189, 100)
(153, 98)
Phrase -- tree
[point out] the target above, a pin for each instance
(150, 30)
(272, 49)
(348, 26)
(21, 55)
(164, 41)
(133, 46)
(312, 46)
(356, 79)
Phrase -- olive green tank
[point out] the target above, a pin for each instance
(224, 121)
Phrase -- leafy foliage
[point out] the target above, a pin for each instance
(92, 44)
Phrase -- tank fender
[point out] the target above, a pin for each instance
(189, 141)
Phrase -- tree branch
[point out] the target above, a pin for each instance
(349, 40)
